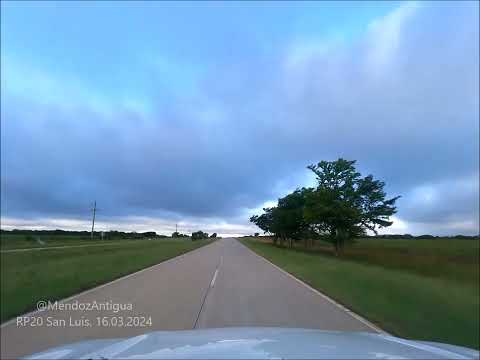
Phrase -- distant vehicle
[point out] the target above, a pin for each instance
(258, 343)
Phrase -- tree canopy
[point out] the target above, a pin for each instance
(198, 235)
(342, 206)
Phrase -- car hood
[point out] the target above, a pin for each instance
(257, 343)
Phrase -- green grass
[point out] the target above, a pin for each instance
(19, 241)
(442, 258)
(30, 276)
(452, 259)
(407, 301)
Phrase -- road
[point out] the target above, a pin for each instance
(218, 285)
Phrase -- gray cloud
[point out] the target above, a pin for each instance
(402, 100)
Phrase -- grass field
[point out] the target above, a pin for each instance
(18, 241)
(30, 276)
(419, 289)
(15, 241)
(453, 259)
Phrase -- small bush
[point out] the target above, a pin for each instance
(29, 238)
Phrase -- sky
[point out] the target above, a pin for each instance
(201, 113)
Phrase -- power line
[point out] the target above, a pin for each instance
(93, 220)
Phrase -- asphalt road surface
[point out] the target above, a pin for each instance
(221, 284)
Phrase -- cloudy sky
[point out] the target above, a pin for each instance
(202, 113)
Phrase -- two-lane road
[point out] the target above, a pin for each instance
(219, 285)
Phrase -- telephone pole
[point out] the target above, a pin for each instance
(93, 220)
(176, 229)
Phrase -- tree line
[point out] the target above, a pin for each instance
(342, 206)
(112, 234)
(198, 235)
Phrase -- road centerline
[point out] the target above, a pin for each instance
(212, 283)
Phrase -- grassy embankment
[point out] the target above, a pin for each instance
(30, 276)
(419, 289)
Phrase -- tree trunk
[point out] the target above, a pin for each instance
(334, 238)
(340, 240)
(342, 243)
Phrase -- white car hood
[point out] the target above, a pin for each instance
(257, 343)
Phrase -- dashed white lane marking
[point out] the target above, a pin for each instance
(212, 284)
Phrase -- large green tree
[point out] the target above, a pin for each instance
(289, 219)
(344, 204)
(285, 221)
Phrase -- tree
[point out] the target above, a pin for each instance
(256, 234)
(288, 219)
(29, 238)
(198, 235)
(176, 234)
(214, 235)
(285, 220)
(345, 205)
(149, 234)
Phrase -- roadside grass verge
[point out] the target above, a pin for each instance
(450, 259)
(453, 259)
(27, 277)
(16, 241)
(402, 302)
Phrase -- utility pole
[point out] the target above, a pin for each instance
(176, 228)
(93, 220)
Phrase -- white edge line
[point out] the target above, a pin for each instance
(340, 306)
(107, 284)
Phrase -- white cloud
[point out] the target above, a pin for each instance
(384, 37)
(398, 227)
(447, 228)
